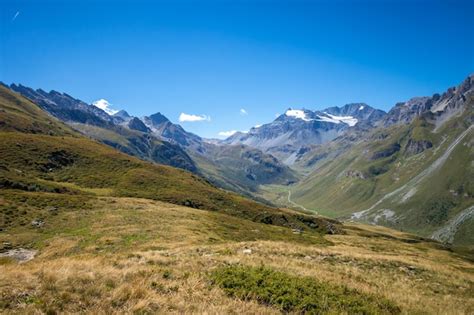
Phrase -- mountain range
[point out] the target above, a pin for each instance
(291, 134)
(91, 220)
(155, 138)
(409, 168)
(46, 161)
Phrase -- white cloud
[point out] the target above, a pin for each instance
(192, 118)
(243, 112)
(105, 106)
(227, 133)
(15, 16)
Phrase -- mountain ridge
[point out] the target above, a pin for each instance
(155, 138)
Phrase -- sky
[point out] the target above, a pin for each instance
(219, 66)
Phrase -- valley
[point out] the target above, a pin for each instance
(236, 157)
(407, 169)
(92, 220)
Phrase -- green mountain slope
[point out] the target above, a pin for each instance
(43, 162)
(417, 177)
(387, 185)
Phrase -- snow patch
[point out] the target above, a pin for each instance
(297, 113)
(327, 119)
(105, 106)
(300, 114)
(349, 120)
(361, 107)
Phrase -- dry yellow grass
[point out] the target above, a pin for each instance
(139, 256)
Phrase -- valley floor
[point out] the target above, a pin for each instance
(139, 256)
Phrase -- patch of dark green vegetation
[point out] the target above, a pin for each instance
(297, 294)
(437, 209)
(380, 167)
(387, 151)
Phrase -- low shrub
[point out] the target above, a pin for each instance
(297, 294)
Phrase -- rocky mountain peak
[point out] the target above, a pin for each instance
(64, 106)
(122, 114)
(437, 108)
(158, 118)
(136, 124)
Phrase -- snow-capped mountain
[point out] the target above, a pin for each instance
(298, 128)
(105, 106)
(302, 114)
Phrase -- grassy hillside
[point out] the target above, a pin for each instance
(18, 114)
(128, 255)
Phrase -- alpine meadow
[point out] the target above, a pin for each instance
(236, 157)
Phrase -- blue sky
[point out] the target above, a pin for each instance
(215, 58)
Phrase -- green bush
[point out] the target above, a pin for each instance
(297, 294)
